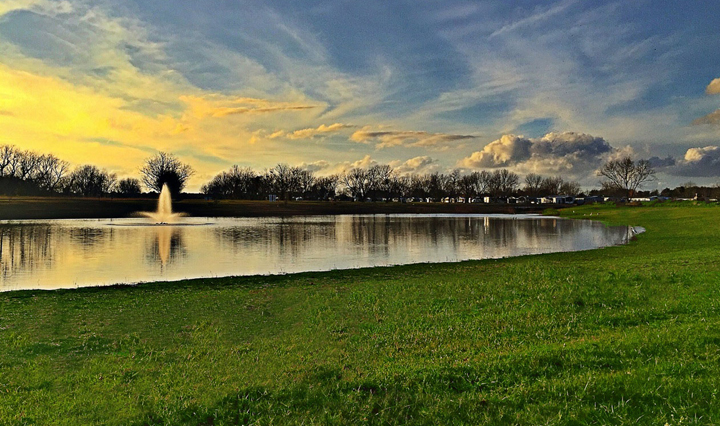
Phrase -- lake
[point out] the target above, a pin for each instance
(53, 254)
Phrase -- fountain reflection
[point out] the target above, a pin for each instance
(167, 246)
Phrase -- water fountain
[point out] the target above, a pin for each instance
(163, 214)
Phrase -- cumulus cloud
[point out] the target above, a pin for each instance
(699, 162)
(714, 87)
(507, 150)
(325, 168)
(423, 164)
(316, 166)
(574, 153)
(420, 165)
(386, 139)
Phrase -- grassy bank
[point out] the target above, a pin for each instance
(622, 335)
(72, 208)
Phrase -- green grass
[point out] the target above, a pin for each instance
(622, 335)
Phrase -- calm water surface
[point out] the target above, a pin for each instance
(73, 253)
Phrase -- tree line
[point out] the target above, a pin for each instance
(24, 172)
(379, 182)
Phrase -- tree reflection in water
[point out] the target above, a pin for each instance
(24, 248)
(70, 253)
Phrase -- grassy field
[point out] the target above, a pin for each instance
(622, 335)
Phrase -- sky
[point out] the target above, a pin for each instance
(555, 88)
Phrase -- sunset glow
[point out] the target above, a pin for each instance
(423, 87)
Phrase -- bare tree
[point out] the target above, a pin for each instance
(26, 165)
(284, 179)
(128, 187)
(164, 168)
(90, 181)
(8, 157)
(325, 188)
(532, 184)
(484, 178)
(468, 185)
(355, 180)
(451, 183)
(570, 188)
(305, 181)
(503, 182)
(551, 185)
(379, 180)
(626, 175)
(50, 172)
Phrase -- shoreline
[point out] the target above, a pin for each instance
(18, 208)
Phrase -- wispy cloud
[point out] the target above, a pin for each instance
(243, 84)
(219, 106)
(313, 131)
(386, 139)
(535, 18)
(712, 118)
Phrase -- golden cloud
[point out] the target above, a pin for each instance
(406, 138)
(322, 129)
(219, 106)
(714, 87)
(712, 118)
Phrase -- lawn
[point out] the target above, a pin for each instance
(621, 335)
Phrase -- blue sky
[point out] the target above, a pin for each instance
(422, 85)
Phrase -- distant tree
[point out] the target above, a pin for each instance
(399, 186)
(325, 187)
(380, 180)
(532, 184)
(551, 185)
(27, 165)
(626, 175)
(128, 187)
(483, 182)
(164, 168)
(451, 183)
(305, 182)
(355, 180)
(503, 182)
(8, 157)
(467, 186)
(284, 180)
(570, 188)
(50, 172)
(89, 181)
